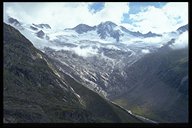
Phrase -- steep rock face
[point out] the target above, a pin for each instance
(30, 85)
(106, 29)
(36, 91)
(40, 34)
(33, 28)
(42, 26)
(158, 86)
(98, 72)
(14, 21)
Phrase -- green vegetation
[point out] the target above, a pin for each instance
(159, 83)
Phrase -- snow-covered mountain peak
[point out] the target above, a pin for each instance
(102, 34)
(108, 24)
(82, 28)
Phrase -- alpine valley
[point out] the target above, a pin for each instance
(101, 73)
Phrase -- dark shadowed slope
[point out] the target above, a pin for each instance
(35, 91)
(158, 86)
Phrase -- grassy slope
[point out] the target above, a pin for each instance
(158, 93)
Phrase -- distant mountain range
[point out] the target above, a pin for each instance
(110, 29)
(104, 30)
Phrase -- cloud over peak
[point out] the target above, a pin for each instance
(65, 14)
(149, 17)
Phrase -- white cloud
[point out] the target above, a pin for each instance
(181, 41)
(113, 12)
(65, 15)
(159, 20)
(145, 51)
(84, 52)
(62, 15)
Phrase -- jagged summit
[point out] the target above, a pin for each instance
(82, 28)
(107, 23)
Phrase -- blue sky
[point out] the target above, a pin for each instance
(156, 17)
(134, 8)
(97, 6)
(147, 8)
